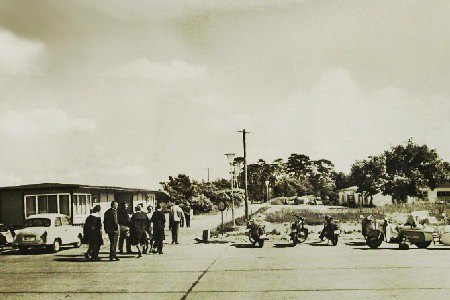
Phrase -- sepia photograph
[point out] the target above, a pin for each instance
(224, 149)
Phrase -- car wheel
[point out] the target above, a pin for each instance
(23, 249)
(77, 244)
(56, 246)
(422, 245)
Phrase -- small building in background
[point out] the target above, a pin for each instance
(440, 194)
(74, 200)
(350, 197)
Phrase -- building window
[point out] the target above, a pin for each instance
(82, 204)
(47, 203)
(351, 198)
(52, 203)
(42, 204)
(64, 204)
(30, 206)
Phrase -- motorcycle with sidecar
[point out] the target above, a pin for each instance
(404, 235)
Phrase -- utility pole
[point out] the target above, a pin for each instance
(245, 172)
(208, 173)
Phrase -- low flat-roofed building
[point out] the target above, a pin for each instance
(440, 194)
(350, 197)
(74, 200)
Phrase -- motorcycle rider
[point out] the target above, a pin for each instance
(255, 224)
(327, 225)
(366, 225)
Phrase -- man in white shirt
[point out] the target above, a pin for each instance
(176, 214)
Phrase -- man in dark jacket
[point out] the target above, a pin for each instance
(139, 226)
(93, 233)
(187, 214)
(124, 225)
(111, 225)
(159, 221)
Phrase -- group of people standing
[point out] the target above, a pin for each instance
(144, 230)
(125, 229)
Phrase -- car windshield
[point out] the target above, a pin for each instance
(38, 222)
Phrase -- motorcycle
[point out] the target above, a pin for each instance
(332, 232)
(256, 233)
(299, 233)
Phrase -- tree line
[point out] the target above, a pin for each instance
(402, 171)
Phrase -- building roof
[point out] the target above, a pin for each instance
(351, 188)
(71, 186)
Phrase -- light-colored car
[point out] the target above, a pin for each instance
(6, 235)
(49, 231)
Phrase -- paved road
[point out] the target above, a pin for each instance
(224, 271)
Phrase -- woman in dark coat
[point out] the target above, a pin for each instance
(138, 230)
(93, 233)
(159, 220)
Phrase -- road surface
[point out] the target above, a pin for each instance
(233, 271)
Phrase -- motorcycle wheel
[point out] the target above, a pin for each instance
(251, 239)
(294, 239)
(422, 245)
(403, 246)
(335, 240)
(373, 242)
(302, 235)
(261, 243)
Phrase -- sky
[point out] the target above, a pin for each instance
(130, 92)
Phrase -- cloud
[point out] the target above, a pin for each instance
(142, 68)
(10, 180)
(339, 120)
(41, 123)
(18, 55)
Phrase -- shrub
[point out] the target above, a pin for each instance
(228, 226)
(280, 201)
(201, 204)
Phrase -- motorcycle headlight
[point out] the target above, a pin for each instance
(44, 237)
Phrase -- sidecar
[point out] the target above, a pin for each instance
(444, 234)
(421, 237)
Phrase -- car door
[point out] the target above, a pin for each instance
(58, 231)
(69, 236)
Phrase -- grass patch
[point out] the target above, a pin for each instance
(228, 226)
(311, 217)
(352, 214)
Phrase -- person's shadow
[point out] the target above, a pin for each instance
(284, 245)
(80, 257)
(355, 243)
(245, 246)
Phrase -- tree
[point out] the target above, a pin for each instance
(412, 169)
(289, 187)
(179, 187)
(298, 166)
(342, 180)
(257, 175)
(279, 169)
(227, 195)
(321, 177)
(369, 176)
(238, 163)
